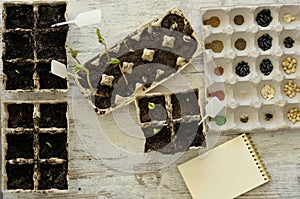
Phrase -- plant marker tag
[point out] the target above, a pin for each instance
(59, 69)
(83, 19)
(212, 108)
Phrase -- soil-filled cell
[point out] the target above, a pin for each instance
(53, 177)
(152, 109)
(18, 44)
(20, 115)
(50, 14)
(19, 176)
(19, 146)
(19, 75)
(188, 134)
(53, 145)
(19, 17)
(51, 44)
(53, 115)
(158, 138)
(47, 79)
(185, 104)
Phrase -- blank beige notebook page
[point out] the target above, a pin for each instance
(225, 172)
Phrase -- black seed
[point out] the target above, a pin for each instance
(266, 67)
(288, 42)
(242, 69)
(265, 42)
(264, 18)
(268, 116)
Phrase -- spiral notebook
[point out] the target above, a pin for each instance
(225, 172)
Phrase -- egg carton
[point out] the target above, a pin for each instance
(35, 137)
(29, 44)
(148, 57)
(170, 121)
(250, 62)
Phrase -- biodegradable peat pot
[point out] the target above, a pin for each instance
(148, 56)
(35, 137)
(170, 121)
(29, 45)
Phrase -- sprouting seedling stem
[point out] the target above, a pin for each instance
(79, 67)
(116, 61)
(102, 41)
(17, 71)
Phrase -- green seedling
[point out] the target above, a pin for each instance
(17, 71)
(151, 105)
(220, 120)
(20, 114)
(48, 143)
(155, 131)
(101, 40)
(80, 67)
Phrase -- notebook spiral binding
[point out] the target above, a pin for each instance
(256, 157)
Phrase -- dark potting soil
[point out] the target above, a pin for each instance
(47, 79)
(20, 115)
(19, 146)
(19, 17)
(169, 20)
(18, 44)
(53, 176)
(53, 115)
(144, 72)
(157, 113)
(51, 43)
(185, 104)
(50, 14)
(19, 75)
(19, 176)
(158, 138)
(53, 145)
(188, 134)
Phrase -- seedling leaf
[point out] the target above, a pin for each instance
(17, 71)
(155, 131)
(74, 53)
(100, 38)
(48, 143)
(114, 61)
(151, 105)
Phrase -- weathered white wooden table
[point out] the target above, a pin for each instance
(91, 178)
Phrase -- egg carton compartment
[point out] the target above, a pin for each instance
(254, 69)
(289, 41)
(289, 65)
(35, 137)
(287, 15)
(29, 44)
(291, 90)
(182, 113)
(268, 68)
(267, 43)
(243, 43)
(271, 117)
(291, 114)
(148, 56)
(270, 92)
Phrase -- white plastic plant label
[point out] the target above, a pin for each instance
(212, 108)
(59, 69)
(83, 19)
